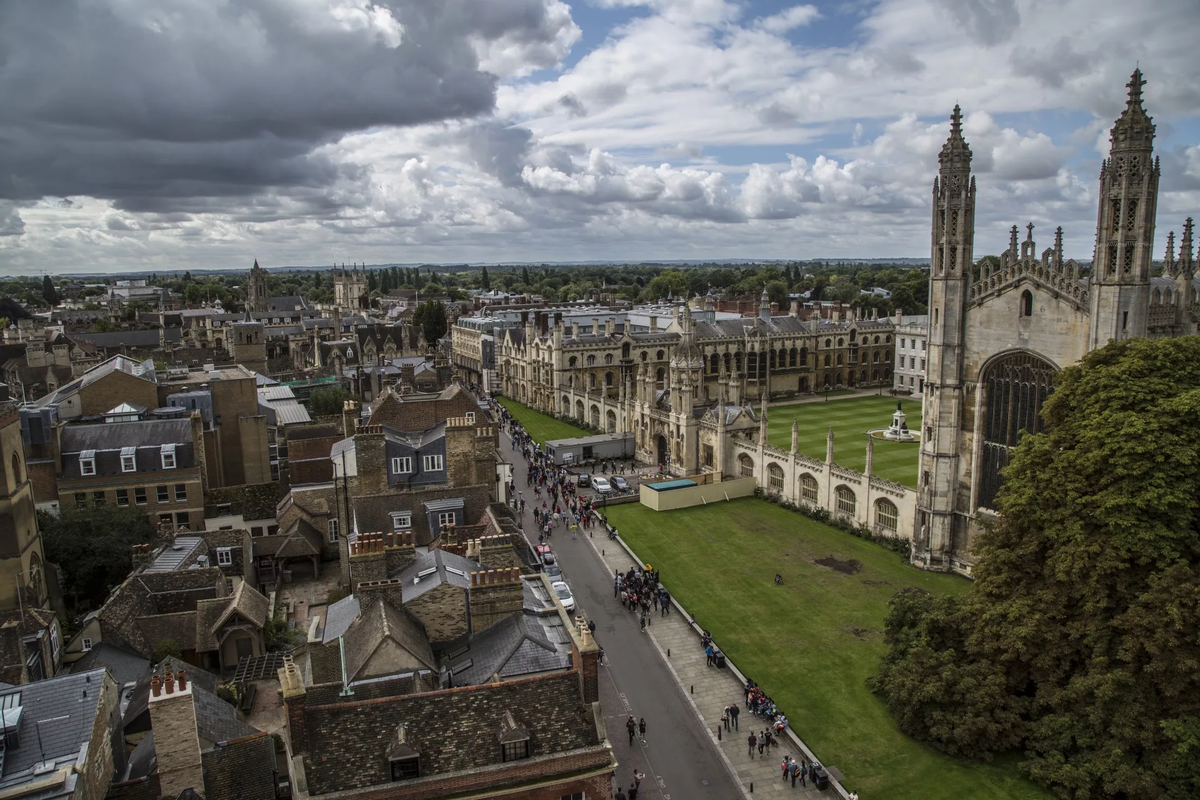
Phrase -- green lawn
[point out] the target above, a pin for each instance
(541, 427)
(851, 419)
(812, 642)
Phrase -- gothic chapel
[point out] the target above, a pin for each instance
(997, 338)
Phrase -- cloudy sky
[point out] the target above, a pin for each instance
(173, 134)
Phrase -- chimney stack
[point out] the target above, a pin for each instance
(176, 741)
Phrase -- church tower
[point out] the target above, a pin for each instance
(949, 287)
(257, 296)
(1120, 283)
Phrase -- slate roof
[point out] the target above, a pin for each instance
(522, 644)
(338, 617)
(146, 338)
(116, 435)
(300, 539)
(125, 665)
(71, 702)
(447, 568)
(180, 627)
(147, 595)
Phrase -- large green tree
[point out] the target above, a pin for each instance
(329, 400)
(1079, 641)
(49, 293)
(93, 547)
(432, 319)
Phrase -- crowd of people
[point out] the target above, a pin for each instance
(638, 590)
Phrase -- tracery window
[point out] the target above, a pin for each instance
(1016, 384)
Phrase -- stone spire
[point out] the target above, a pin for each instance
(764, 306)
(1187, 263)
(1134, 129)
(795, 435)
(1170, 267)
(1012, 242)
(956, 153)
(762, 419)
(1058, 250)
(870, 455)
(829, 446)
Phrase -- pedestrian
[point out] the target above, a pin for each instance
(666, 602)
(725, 718)
(633, 792)
(642, 728)
(655, 594)
(643, 623)
(708, 655)
(637, 778)
(783, 768)
(751, 743)
(762, 742)
(803, 774)
(620, 795)
(794, 770)
(853, 796)
(734, 711)
(631, 726)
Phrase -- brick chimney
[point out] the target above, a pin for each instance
(368, 562)
(350, 418)
(587, 656)
(294, 696)
(176, 741)
(399, 550)
(371, 592)
(495, 594)
(370, 454)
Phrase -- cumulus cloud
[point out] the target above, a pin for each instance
(158, 105)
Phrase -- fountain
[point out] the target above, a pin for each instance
(898, 431)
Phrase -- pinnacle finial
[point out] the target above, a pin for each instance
(1029, 234)
(1136, 82)
(956, 123)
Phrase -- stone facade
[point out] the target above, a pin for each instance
(22, 560)
(912, 342)
(997, 339)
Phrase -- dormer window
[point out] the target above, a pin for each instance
(404, 758)
(401, 520)
(128, 459)
(470, 415)
(432, 463)
(401, 466)
(87, 463)
(514, 739)
(168, 456)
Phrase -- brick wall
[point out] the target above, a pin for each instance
(113, 389)
(176, 742)
(443, 611)
(98, 769)
(494, 595)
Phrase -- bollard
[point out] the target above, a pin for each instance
(718, 733)
(693, 691)
(668, 652)
(752, 787)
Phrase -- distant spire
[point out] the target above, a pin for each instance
(256, 264)
(1187, 265)
(956, 123)
(1169, 267)
(1012, 241)
(1136, 82)
(1134, 129)
(956, 154)
(1058, 244)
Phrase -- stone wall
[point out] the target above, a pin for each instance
(495, 595)
(443, 610)
(870, 493)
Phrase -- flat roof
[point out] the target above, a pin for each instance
(666, 486)
(585, 440)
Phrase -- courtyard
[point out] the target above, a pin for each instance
(813, 641)
(851, 418)
(542, 427)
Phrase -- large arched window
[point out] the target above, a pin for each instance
(1026, 303)
(846, 503)
(608, 358)
(808, 488)
(1016, 385)
(608, 379)
(886, 516)
(16, 469)
(775, 477)
(745, 466)
(792, 354)
(714, 364)
(591, 360)
(659, 376)
(574, 360)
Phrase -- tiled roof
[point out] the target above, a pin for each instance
(378, 624)
(351, 738)
(125, 665)
(179, 627)
(518, 645)
(140, 699)
(339, 616)
(116, 435)
(240, 768)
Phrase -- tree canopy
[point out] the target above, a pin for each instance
(1079, 642)
(328, 400)
(93, 547)
(431, 317)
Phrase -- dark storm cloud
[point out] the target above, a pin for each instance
(160, 104)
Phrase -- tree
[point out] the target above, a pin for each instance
(1079, 639)
(166, 648)
(93, 547)
(485, 282)
(48, 291)
(328, 401)
(431, 317)
(525, 276)
(777, 292)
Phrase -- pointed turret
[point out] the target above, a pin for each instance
(795, 435)
(829, 441)
(1187, 262)
(870, 456)
(1134, 129)
(1170, 266)
(764, 306)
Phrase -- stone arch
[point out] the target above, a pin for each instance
(745, 466)
(714, 364)
(845, 501)
(774, 477)
(728, 361)
(591, 361)
(658, 356)
(737, 361)
(659, 377)
(566, 406)
(1027, 303)
(573, 361)
(608, 379)
(887, 516)
(579, 410)
(608, 358)
(793, 355)
(1015, 385)
(803, 385)
(16, 470)
(810, 490)
(595, 416)
(610, 421)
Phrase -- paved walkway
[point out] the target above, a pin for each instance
(710, 690)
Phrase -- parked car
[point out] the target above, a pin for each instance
(552, 572)
(621, 484)
(585, 479)
(564, 595)
(544, 554)
(601, 485)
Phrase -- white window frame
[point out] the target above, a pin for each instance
(224, 557)
(168, 456)
(432, 464)
(447, 518)
(401, 465)
(87, 644)
(128, 459)
(331, 530)
(401, 520)
(87, 463)
(470, 415)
